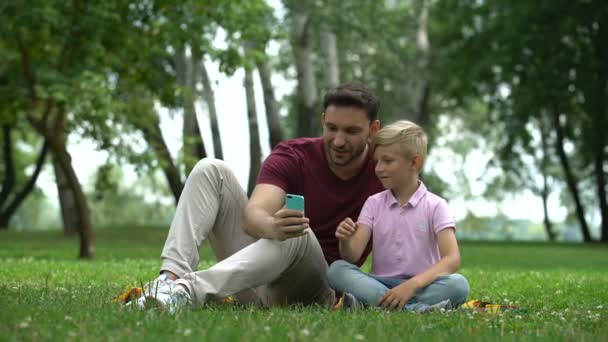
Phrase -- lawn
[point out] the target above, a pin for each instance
(46, 294)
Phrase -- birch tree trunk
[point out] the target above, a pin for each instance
(210, 100)
(186, 71)
(275, 133)
(308, 118)
(415, 99)
(254, 136)
(330, 54)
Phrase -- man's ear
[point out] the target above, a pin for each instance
(374, 127)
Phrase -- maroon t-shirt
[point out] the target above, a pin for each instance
(299, 166)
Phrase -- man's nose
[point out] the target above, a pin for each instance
(339, 140)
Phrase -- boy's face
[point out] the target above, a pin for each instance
(393, 169)
(346, 131)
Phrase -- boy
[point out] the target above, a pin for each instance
(415, 253)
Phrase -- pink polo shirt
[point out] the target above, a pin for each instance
(405, 238)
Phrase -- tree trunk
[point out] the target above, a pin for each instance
(84, 215)
(193, 149)
(150, 128)
(210, 100)
(9, 168)
(67, 200)
(270, 103)
(600, 180)
(7, 211)
(599, 101)
(545, 189)
(415, 100)
(308, 118)
(330, 53)
(60, 153)
(254, 135)
(570, 179)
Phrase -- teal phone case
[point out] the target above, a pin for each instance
(294, 202)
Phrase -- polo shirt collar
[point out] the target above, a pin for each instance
(414, 200)
(418, 195)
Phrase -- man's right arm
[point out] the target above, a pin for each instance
(265, 217)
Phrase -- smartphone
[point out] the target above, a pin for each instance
(294, 202)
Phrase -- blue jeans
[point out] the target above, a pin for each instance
(368, 289)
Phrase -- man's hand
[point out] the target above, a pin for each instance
(398, 296)
(288, 224)
(346, 229)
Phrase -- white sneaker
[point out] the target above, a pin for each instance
(441, 306)
(164, 293)
(350, 302)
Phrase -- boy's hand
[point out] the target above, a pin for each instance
(398, 296)
(346, 229)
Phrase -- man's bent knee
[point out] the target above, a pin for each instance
(209, 164)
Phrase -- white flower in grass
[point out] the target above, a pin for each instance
(558, 292)
(187, 332)
(518, 317)
(305, 332)
(67, 318)
(359, 337)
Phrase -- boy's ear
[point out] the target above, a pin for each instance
(417, 162)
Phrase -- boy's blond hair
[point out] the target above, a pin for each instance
(411, 138)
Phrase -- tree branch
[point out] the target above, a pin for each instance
(29, 186)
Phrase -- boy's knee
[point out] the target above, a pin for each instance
(459, 288)
(336, 270)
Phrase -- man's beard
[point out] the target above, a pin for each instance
(353, 155)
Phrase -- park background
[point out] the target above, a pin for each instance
(106, 106)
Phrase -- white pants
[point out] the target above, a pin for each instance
(266, 272)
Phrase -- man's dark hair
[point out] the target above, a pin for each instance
(353, 94)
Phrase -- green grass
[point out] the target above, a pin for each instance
(46, 294)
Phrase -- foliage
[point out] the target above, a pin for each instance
(48, 295)
(541, 70)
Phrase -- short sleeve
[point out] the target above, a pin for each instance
(368, 212)
(442, 217)
(280, 168)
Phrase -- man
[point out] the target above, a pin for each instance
(272, 255)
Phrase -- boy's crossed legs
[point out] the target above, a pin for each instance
(368, 289)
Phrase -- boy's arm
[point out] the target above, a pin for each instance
(449, 263)
(352, 248)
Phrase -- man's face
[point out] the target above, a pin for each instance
(346, 131)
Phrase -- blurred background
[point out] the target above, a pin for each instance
(106, 106)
